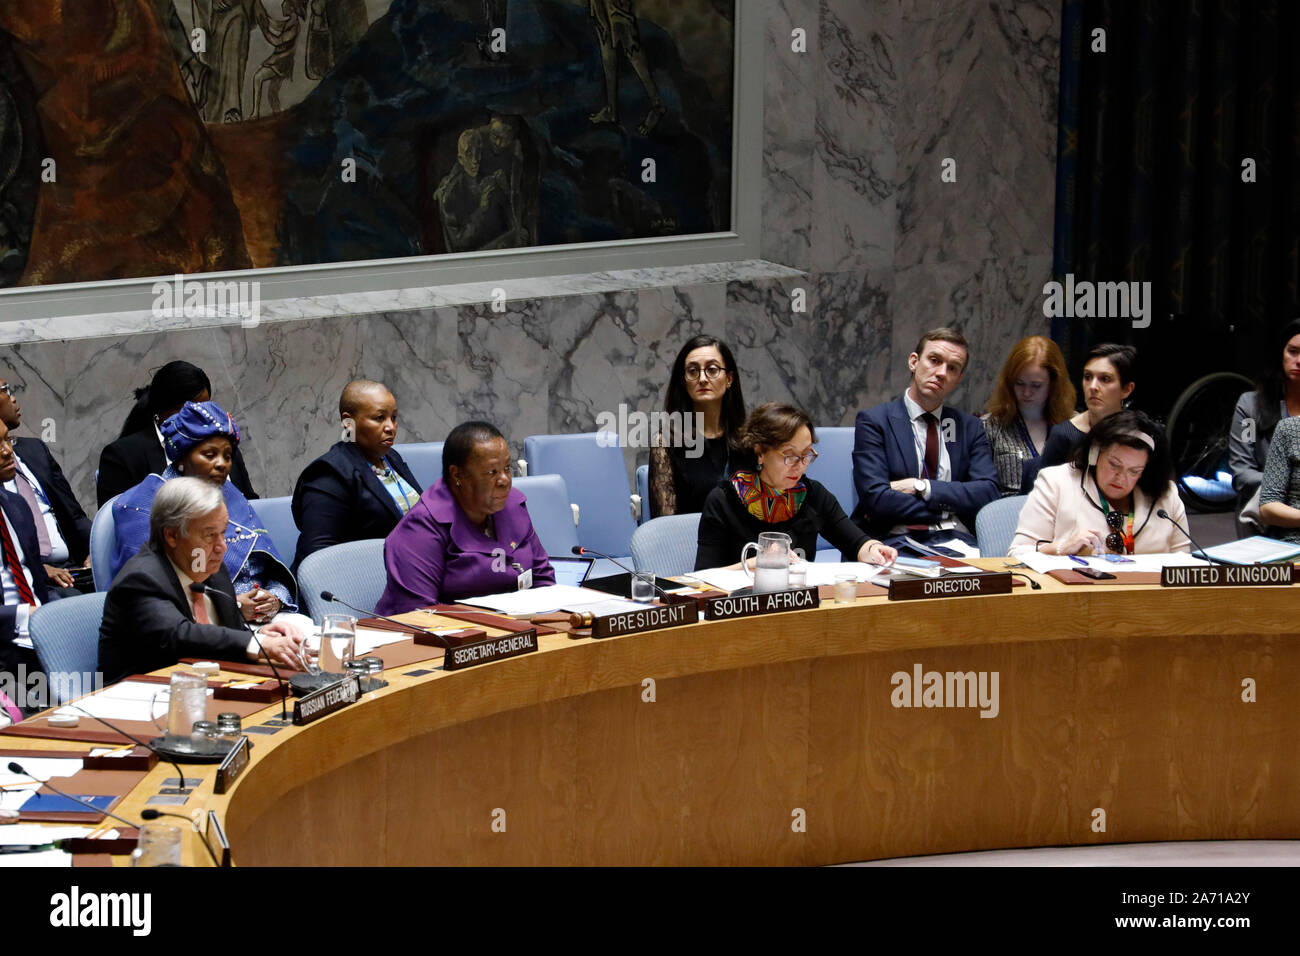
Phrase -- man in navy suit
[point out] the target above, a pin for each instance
(22, 576)
(921, 470)
(64, 529)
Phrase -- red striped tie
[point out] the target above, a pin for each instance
(15, 566)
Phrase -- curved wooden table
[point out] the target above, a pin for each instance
(1121, 699)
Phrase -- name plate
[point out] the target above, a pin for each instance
(328, 699)
(768, 602)
(952, 585)
(493, 649)
(232, 766)
(649, 619)
(1228, 576)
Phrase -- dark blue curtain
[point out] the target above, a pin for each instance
(1151, 140)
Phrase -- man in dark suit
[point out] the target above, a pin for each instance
(360, 488)
(22, 577)
(152, 616)
(922, 470)
(63, 529)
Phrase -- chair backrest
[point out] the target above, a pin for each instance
(548, 507)
(995, 525)
(424, 459)
(834, 469)
(65, 634)
(102, 540)
(666, 545)
(596, 477)
(353, 570)
(276, 516)
(643, 491)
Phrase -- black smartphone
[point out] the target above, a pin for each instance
(1095, 574)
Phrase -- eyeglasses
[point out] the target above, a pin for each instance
(807, 458)
(710, 372)
(1115, 542)
(11, 390)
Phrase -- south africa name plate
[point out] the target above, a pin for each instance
(1228, 576)
(648, 619)
(767, 602)
(951, 585)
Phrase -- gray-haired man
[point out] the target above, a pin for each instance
(152, 617)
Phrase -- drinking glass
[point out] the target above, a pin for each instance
(338, 633)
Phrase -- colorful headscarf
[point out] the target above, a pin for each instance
(764, 502)
(194, 424)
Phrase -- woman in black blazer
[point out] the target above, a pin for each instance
(360, 488)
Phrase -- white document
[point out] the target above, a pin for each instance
(539, 600)
(13, 798)
(612, 606)
(42, 768)
(1254, 550)
(26, 834)
(46, 860)
(127, 700)
(369, 638)
(1042, 563)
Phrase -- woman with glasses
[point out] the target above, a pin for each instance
(776, 496)
(1107, 498)
(685, 467)
(469, 534)
(1032, 394)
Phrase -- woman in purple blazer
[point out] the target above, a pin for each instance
(469, 534)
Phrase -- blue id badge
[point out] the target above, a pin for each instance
(1115, 558)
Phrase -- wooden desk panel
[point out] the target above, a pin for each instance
(1126, 699)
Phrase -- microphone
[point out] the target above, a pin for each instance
(180, 786)
(442, 641)
(582, 552)
(149, 813)
(15, 767)
(199, 587)
(1188, 535)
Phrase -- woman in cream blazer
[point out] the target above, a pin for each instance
(1107, 498)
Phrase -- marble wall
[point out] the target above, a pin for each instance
(855, 132)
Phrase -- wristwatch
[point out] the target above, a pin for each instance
(922, 488)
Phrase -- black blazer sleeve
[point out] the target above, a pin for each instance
(836, 527)
(146, 626)
(716, 546)
(322, 506)
(115, 473)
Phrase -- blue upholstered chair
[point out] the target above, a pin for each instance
(276, 516)
(550, 511)
(353, 570)
(102, 540)
(424, 459)
(834, 469)
(995, 525)
(65, 634)
(666, 545)
(596, 478)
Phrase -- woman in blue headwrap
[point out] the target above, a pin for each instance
(200, 440)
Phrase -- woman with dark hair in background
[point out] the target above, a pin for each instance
(138, 451)
(1107, 384)
(704, 381)
(1276, 397)
(469, 534)
(1032, 394)
(1107, 499)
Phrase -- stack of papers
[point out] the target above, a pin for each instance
(555, 597)
(127, 700)
(1254, 550)
(1042, 563)
(817, 574)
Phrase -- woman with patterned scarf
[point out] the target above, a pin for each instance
(778, 497)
